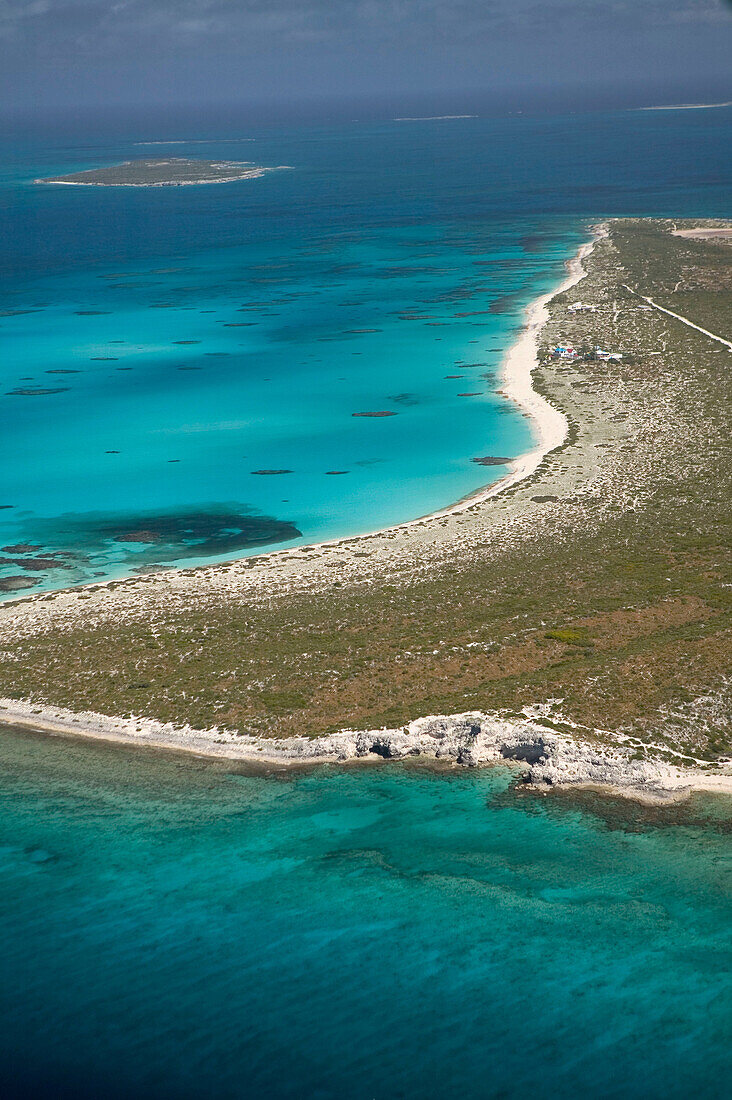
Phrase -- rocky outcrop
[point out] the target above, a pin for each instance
(544, 758)
(540, 755)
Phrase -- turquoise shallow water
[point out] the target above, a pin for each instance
(162, 345)
(170, 410)
(175, 929)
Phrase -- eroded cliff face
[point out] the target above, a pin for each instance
(543, 756)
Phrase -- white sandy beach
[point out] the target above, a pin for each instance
(549, 426)
(544, 757)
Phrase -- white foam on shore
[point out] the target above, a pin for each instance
(685, 106)
(197, 141)
(432, 118)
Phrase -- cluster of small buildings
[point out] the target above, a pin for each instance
(563, 352)
(580, 307)
(600, 354)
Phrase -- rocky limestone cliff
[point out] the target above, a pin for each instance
(542, 756)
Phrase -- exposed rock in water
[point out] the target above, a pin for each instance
(491, 460)
(21, 548)
(545, 758)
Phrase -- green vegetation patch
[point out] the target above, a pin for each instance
(618, 606)
(570, 636)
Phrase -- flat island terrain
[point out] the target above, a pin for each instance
(577, 623)
(162, 172)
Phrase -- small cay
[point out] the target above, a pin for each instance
(161, 172)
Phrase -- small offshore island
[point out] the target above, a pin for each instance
(166, 172)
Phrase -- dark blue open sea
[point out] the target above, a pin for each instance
(173, 928)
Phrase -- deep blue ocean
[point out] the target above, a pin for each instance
(175, 928)
(162, 347)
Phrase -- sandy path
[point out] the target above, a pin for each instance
(678, 317)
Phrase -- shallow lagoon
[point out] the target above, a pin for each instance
(160, 345)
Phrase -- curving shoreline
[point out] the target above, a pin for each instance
(519, 364)
(546, 748)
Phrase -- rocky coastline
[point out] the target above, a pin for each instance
(599, 463)
(541, 756)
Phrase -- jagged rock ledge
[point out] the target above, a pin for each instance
(543, 757)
